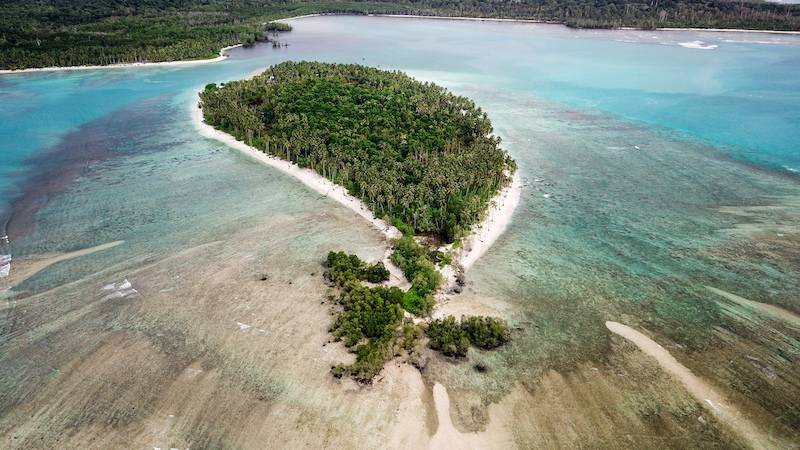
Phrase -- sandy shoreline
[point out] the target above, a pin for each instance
(555, 22)
(222, 51)
(475, 245)
(307, 176)
(498, 216)
(185, 62)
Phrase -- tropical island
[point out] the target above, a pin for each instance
(417, 156)
(65, 34)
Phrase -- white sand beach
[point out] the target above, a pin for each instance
(310, 178)
(187, 62)
(498, 216)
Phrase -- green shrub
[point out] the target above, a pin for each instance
(417, 304)
(453, 338)
(343, 268)
(485, 332)
(376, 273)
(404, 228)
(447, 336)
(414, 260)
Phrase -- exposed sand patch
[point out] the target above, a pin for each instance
(700, 390)
(767, 309)
(498, 217)
(24, 268)
(448, 437)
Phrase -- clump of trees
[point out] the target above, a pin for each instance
(454, 338)
(342, 268)
(371, 319)
(412, 151)
(101, 32)
(415, 262)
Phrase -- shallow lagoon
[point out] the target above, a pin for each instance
(632, 205)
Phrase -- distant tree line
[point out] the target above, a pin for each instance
(44, 33)
(754, 14)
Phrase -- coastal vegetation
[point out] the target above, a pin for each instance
(415, 262)
(411, 151)
(371, 322)
(454, 338)
(417, 155)
(343, 268)
(69, 33)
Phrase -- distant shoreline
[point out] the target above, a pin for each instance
(183, 62)
(223, 56)
(554, 22)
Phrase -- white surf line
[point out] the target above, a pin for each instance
(770, 310)
(186, 62)
(697, 387)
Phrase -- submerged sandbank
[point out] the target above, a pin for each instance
(185, 62)
(717, 404)
(24, 268)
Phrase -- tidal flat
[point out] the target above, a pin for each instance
(650, 176)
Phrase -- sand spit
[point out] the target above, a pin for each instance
(222, 55)
(770, 310)
(24, 268)
(697, 387)
(448, 437)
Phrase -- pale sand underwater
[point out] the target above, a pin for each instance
(705, 394)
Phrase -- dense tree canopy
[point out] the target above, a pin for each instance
(73, 32)
(454, 338)
(410, 150)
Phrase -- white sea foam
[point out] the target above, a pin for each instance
(698, 45)
(119, 290)
(791, 169)
(5, 265)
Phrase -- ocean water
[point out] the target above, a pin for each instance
(654, 164)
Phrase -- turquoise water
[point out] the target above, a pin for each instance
(641, 153)
(740, 95)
